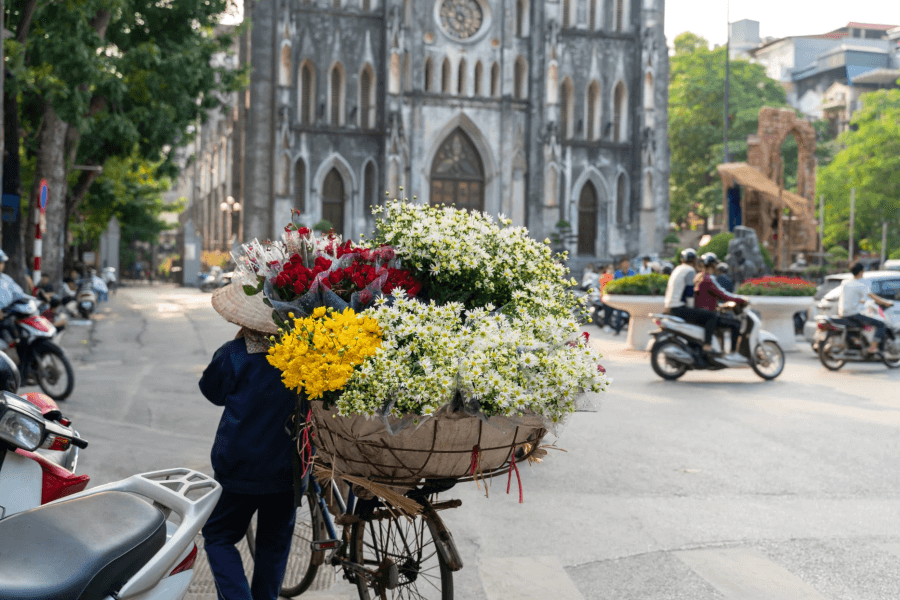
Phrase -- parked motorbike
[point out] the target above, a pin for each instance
(678, 346)
(86, 298)
(127, 540)
(841, 340)
(29, 479)
(40, 360)
(214, 280)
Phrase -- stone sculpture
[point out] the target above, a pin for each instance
(744, 258)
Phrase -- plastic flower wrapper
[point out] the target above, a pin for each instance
(299, 274)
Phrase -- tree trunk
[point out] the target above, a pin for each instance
(52, 167)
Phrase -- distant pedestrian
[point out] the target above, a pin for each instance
(252, 453)
(645, 268)
(722, 278)
(625, 269)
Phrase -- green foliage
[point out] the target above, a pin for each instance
(869, 161)
(837, 253)
(323, 226)
(895, 255)
(767, 258)
(131, 91)
(129, 190)
(671, 238)
(718, 245)
(696, 115)
(652, 284)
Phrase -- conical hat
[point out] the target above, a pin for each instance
(247, 311)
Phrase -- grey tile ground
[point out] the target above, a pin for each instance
(656, 576)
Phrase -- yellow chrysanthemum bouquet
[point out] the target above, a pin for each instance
(319, 353)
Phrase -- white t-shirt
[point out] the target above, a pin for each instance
(681, 277)
(853, 297)
(642, 270)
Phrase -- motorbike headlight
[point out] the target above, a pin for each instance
(85, 304)
(21, 430)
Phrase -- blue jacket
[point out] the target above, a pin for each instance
(252, 451)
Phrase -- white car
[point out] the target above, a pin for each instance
(883, 283)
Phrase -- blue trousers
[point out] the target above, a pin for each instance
(274, 529)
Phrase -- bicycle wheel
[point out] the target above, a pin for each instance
(408, 565)
(309, 526)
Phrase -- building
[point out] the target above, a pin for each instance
(542, 110)
(743, 37)
(808, 66)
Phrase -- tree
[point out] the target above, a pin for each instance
(869, 160)
(696, 116)
(99, 79)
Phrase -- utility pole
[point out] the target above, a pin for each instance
(852, 222)
(727, 74)
(821, 222)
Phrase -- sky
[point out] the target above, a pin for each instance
(777, 18)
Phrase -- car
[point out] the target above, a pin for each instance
(892, 265)
(883, 283)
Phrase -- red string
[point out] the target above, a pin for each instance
(513, 467)
(473, 466)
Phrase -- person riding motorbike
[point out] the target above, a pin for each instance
(707, 295)
(680, 291)
(852, 302)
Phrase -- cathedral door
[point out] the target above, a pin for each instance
(587, 220)
(333, 200)
(457, 175)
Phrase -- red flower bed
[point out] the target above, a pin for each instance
(777, 286)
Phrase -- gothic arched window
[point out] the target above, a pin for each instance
(307, 93)
(300, 185)
(445, 76)
(337, 95)
(620, 14)
(567, 13)
(333, 200)
(457, 173)
(592, 106)
(587, 220)
(479, 86)
(366, 99)
(621, 199)
(521, 12)
(619, 120)
(495, 80)
(370, 196)
(428, 74)
(520, 74)
(461, 78)
(284, 73)
(566, 109)
(592, 14)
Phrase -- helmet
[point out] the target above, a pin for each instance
(3, 256)
(709, 259)
(9, 374)
(722, 267)
(688, 255)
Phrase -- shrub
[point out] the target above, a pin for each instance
(323, 226)
(777, 286)
(653, 284)
(895, 255)
(718, 244)
(672, 238)
(836, 254)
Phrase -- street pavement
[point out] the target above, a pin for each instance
(717, 486)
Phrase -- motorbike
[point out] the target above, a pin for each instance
(126, 540)
(86, 298)
(839, 341)
(214, 280)
(108, 275)
(677, 346)
(40, 360)
(31, 478)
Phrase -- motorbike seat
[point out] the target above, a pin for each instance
(845, 322)
(81, 549)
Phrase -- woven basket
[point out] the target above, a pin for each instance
(441, 448)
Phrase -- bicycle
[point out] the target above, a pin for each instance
(385, 554)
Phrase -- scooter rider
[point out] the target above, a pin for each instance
(681, 288)
(707, 295)
(853, 297)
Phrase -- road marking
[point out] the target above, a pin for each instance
(747, 574)
(526, 578)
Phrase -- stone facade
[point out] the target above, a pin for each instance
(542, 110)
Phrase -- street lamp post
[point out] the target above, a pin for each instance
(229, 207)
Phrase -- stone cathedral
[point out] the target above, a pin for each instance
(542, 110)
